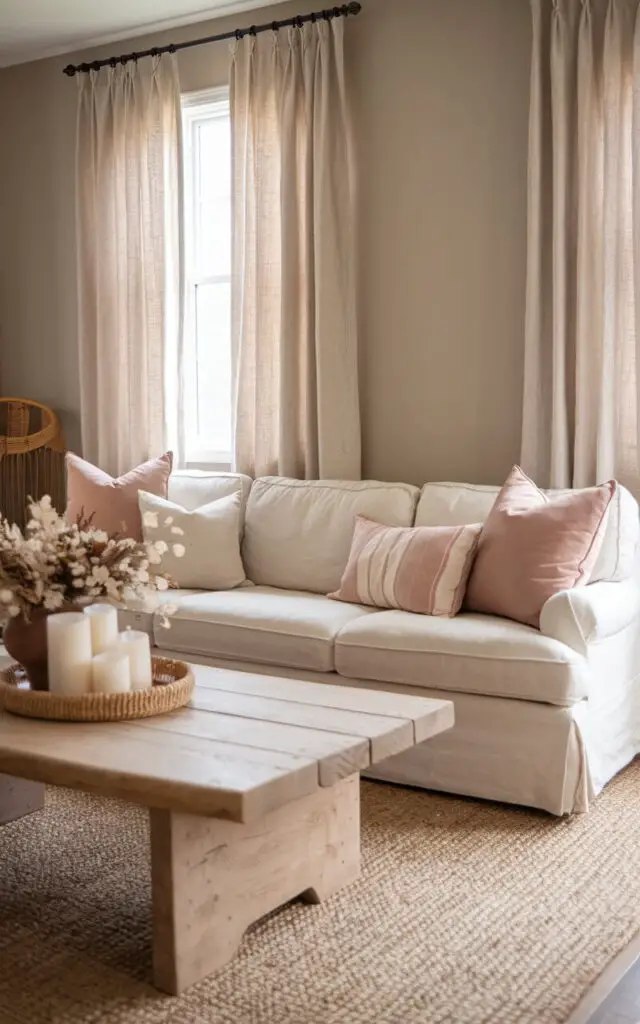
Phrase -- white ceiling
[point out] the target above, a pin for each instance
(30, 29)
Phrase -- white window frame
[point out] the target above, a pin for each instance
(194, 106)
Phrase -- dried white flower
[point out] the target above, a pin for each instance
(160, 546)
(178, 531)
(53, 562)
(178, 550)
(150, 519)
(168, 521)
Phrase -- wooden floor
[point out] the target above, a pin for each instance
(615, 997)
(622, 1005)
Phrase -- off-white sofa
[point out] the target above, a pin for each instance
(542, 718)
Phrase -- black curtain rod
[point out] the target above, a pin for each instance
(297, 21)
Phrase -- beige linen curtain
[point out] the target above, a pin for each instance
(128, 193)
(293, 316)
(580, 416)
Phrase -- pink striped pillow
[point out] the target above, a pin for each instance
(420, 569)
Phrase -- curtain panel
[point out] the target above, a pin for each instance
(294, 344)
(582, 330)
(129, 253)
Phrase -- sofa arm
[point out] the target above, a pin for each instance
(586, 615)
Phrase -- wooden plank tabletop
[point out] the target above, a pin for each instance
(246, 745)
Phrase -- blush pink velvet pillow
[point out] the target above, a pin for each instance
(113, 503)
(532, 546)
(420, 569)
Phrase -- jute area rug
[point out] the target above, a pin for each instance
(466, 912)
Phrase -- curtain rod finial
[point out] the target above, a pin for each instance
(354, 7)
(69, 70)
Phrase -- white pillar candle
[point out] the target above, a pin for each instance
(111, 672)
(104, 626)
(69, 653)
(136, 643)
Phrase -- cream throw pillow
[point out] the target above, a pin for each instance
(202, 546)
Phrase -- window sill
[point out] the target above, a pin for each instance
(208, 466)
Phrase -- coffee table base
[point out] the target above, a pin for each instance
(19, 797)
(212, 878)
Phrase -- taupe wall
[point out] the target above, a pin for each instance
(440, 108)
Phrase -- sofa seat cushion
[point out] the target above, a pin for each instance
(472, 653)
(140, 618)
(279, 627)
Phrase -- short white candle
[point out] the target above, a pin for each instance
(104, 626)
(69, 653)
(136, 643)
(111, 672)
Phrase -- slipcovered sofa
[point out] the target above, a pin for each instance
(542, 718)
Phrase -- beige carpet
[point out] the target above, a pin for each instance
(466, 912)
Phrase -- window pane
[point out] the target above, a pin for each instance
(213, 353)
(212, 199)
(214, 238)
(214, 144)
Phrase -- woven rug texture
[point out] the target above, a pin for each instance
(466, 913)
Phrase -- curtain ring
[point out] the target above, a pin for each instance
(252, 30)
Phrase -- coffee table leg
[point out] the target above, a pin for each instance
(212, 878)
(19, 797)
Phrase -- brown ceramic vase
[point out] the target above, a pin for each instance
(26, 643)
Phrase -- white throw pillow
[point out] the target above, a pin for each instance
(210, 536)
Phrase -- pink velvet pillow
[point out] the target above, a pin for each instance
(532, 546)
(114, 503)
(420, 569)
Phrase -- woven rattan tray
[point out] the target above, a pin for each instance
(173, 684)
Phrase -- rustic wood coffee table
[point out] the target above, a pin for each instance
(253, 793)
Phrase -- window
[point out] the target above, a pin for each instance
(207, 235)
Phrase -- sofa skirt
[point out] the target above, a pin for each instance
(513, 751)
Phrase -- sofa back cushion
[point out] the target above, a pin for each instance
(298, 533)
(453, 504)
(192, 488)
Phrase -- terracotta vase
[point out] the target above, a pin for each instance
(26, 643)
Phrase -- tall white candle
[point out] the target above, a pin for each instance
(111, 672)
(136, 643)
(104, 626)
(69, 653)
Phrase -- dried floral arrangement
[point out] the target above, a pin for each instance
(55, 563)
